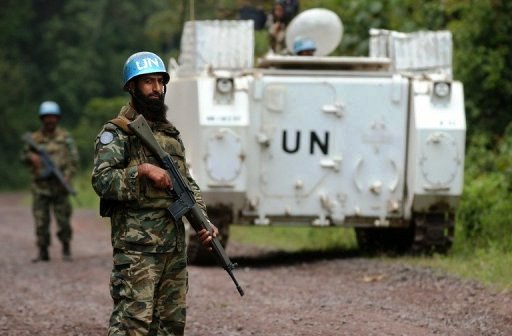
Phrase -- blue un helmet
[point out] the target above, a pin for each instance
(303, 44)
(142, 63)
(49, 108)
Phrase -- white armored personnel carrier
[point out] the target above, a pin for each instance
(372, 143)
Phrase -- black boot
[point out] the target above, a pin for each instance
(43, 254)
(66, 251)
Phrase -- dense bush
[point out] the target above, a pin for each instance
(484, 217)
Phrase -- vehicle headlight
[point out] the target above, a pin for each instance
(224, 85)
(442, 89)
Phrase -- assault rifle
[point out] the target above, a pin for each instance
(185, 203)
(49, 168)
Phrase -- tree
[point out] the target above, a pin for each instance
(15, 100)
(483, 61)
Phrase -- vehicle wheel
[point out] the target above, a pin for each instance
(221, 216)
(433, 232)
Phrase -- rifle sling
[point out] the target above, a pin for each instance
(122, 123)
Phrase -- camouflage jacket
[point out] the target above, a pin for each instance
(63, 152)
(139, 219)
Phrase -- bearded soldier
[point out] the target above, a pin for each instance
(149, 278)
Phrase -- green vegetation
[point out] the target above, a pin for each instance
(293, 239)
(72, 51)
(491, 265)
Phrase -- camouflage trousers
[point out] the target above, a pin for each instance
(42, 204)
(149, 293)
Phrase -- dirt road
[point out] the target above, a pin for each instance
(334, 293)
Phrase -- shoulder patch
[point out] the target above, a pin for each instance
(106, 137)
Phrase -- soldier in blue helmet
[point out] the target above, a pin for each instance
(149, 277)
(47, 192)
(304, 47)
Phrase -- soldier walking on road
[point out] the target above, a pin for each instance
(149, 279)
(47, 191)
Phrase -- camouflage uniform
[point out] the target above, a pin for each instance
(149, 279)
(49, 192)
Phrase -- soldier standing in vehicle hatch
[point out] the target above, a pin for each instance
(149, 278)
(47, 191)
(282, 12)
(277, 30)
(303, 46)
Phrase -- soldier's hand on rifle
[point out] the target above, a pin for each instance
(35, 161)
(156, 174)
(205, 237)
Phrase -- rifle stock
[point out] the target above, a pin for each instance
(49, 167)
(185, 203)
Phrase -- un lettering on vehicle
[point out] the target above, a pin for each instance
(293, 140)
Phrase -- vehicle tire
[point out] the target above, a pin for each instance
(221, 216)
(433, 233)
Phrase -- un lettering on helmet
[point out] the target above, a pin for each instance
(148, 63)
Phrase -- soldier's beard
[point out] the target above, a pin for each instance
(152, 109)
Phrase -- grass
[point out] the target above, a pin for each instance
(489, 266)
(292, 239)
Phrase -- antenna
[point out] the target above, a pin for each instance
(191, 10)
